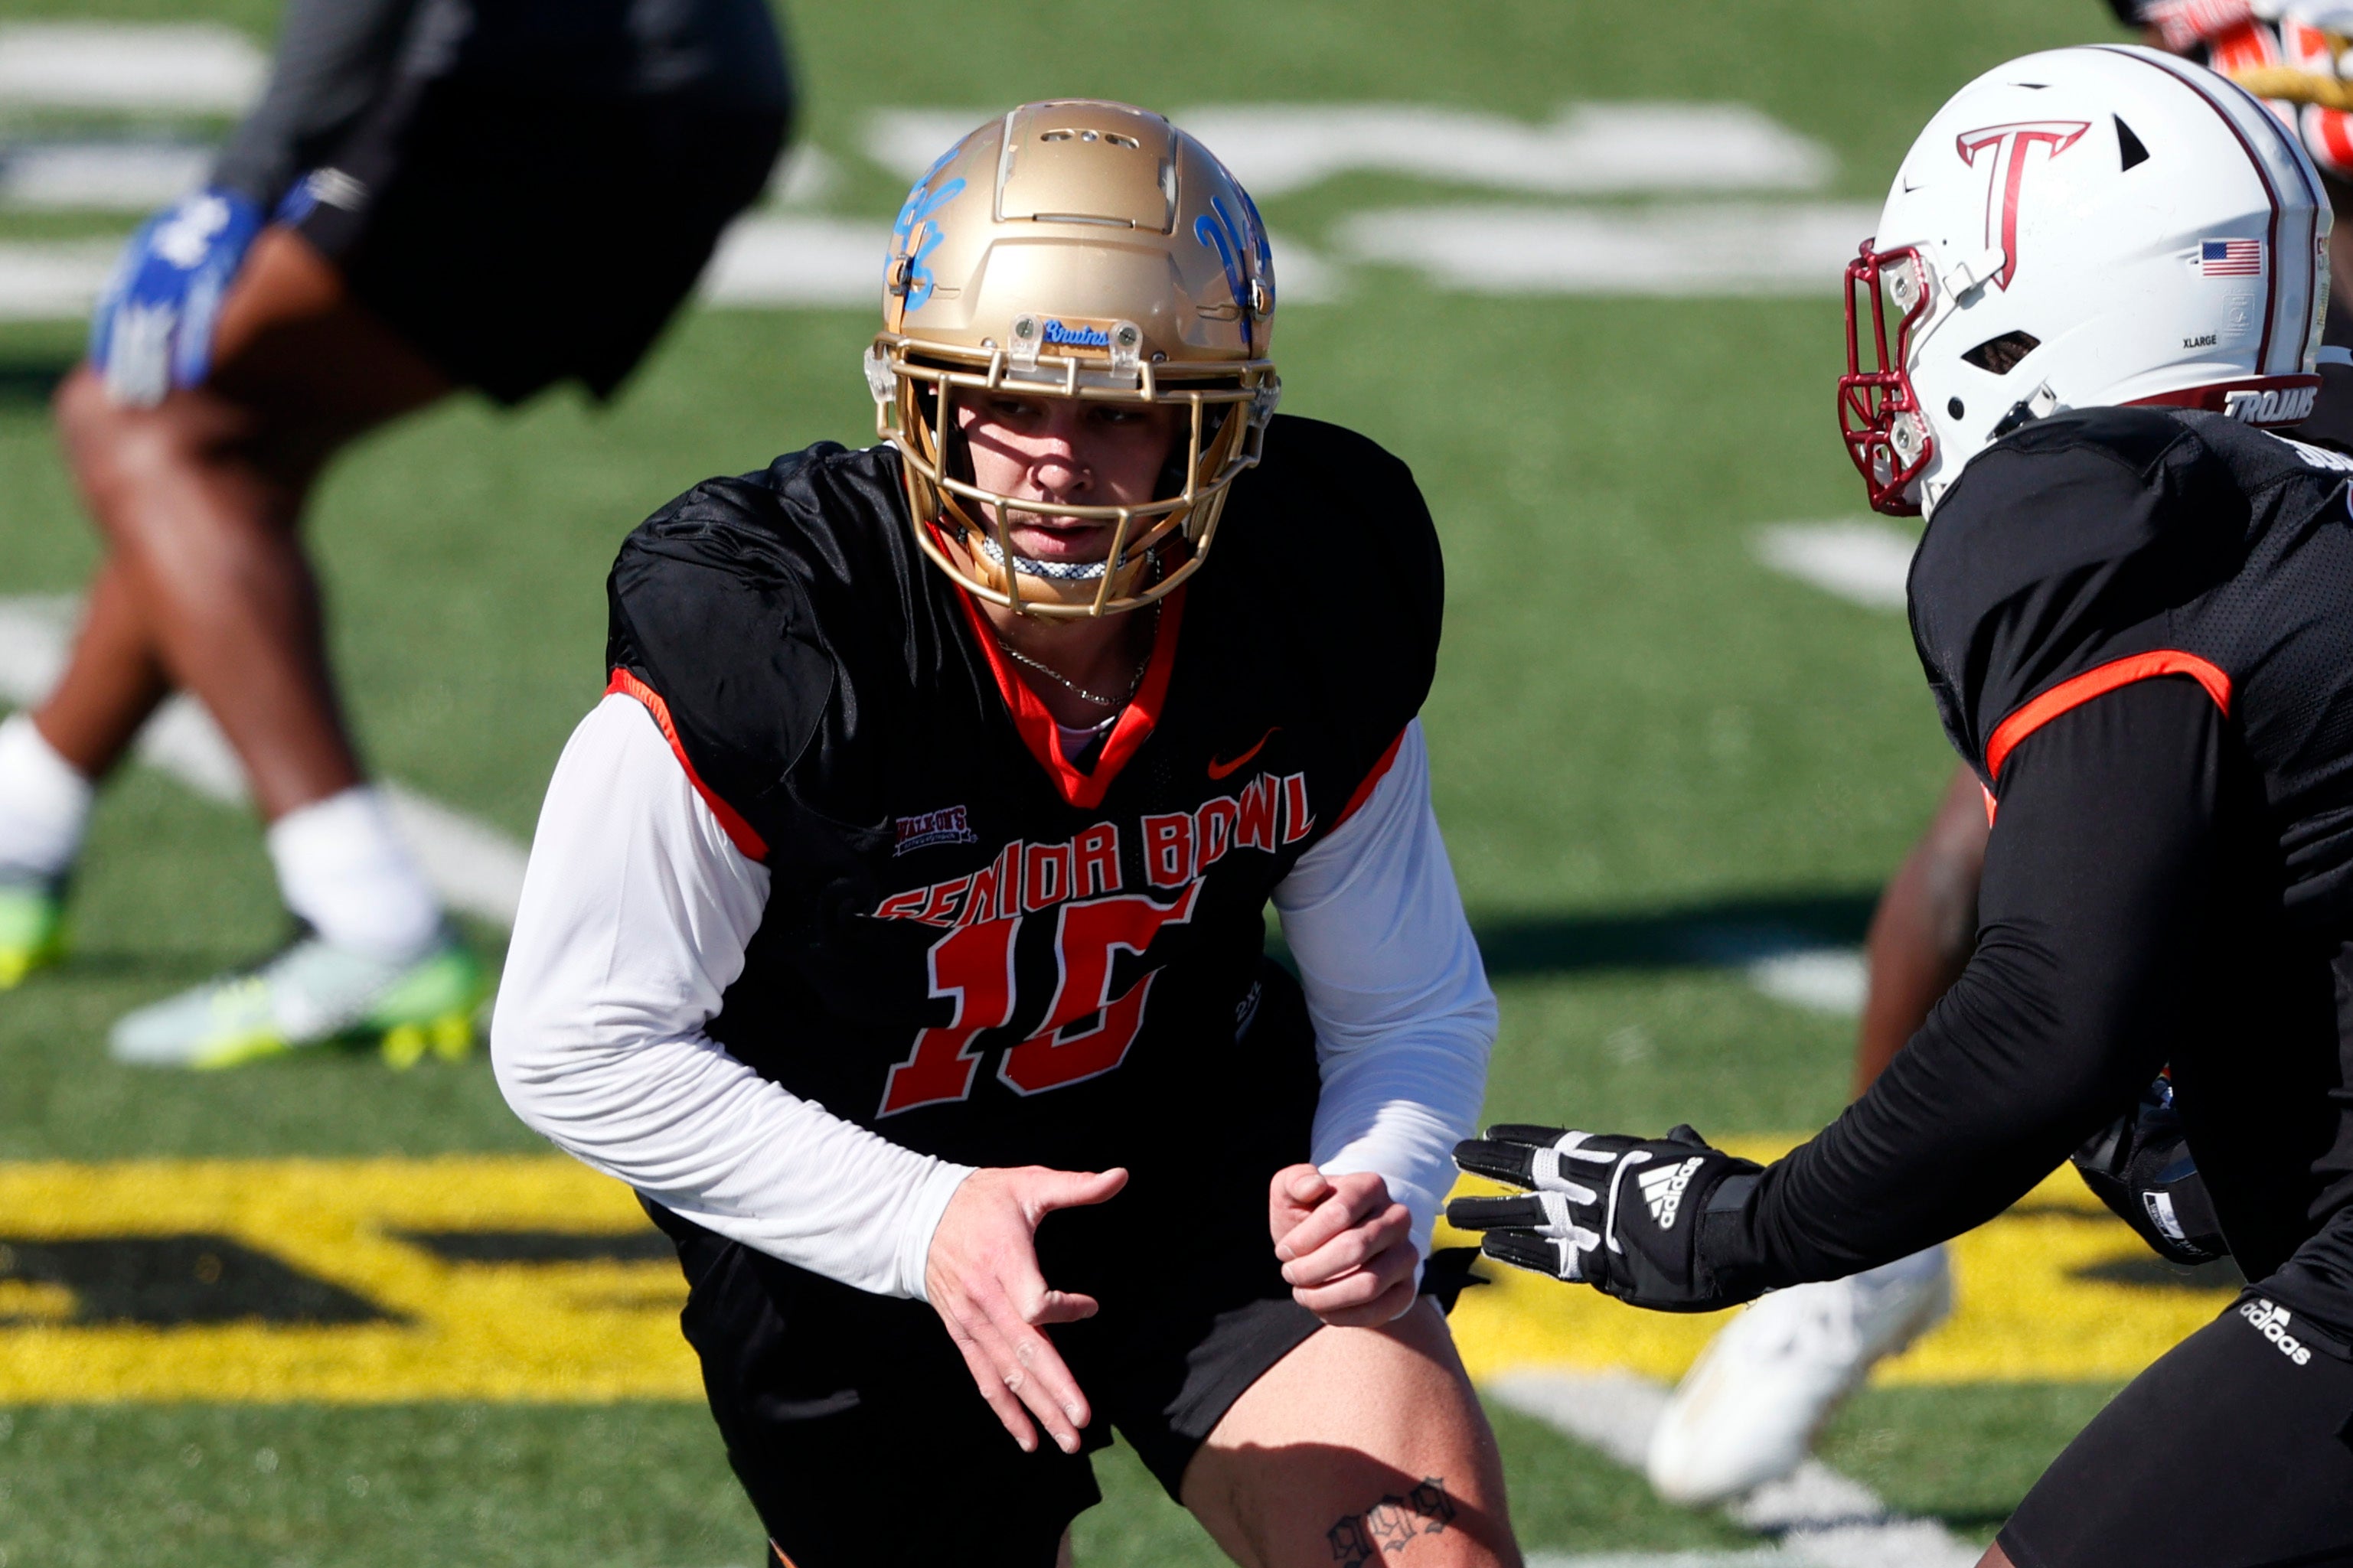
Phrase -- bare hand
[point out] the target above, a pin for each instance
(1347, 1250)
(983, 1280)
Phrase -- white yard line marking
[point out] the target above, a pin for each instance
(101, 176)
(54, 280)
(798, 260)
(808, 260)
(1863, 562)
(1716, 248)
(804, 176)
(477, 869)
(1831, 980)
(199, 68)
(1821, 1517)
(1587, 149)
(1792, 966)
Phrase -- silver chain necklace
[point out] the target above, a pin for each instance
(1134, 684)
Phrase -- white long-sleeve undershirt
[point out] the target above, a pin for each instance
(636, 913)
(1397, 991)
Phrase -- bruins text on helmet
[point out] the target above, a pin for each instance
(1075, 250)
(2076, 229)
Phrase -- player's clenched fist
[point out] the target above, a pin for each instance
(1628, 1215)
(982, 1278)
(1347, 1248)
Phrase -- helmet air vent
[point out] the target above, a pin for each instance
(1090, 164)
(2129, 151)
(2000, 356)
(1108, 138)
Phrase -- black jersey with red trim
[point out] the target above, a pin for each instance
(971, 946)
(2095, 554)
(2100, 547)
(2138, 625)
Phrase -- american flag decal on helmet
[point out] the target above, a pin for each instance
(2230, 258)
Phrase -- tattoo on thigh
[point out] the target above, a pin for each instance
(1390, 1524)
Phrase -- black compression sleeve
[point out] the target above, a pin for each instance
(2103, 887)
(333, 56)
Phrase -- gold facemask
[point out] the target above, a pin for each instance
(1086, 251)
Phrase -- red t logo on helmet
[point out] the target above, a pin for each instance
(2010, 144)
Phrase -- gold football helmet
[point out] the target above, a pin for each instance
(1086, 249)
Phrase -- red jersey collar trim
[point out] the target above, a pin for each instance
(1036, 725)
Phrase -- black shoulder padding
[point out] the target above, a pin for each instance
(2069, 542)
(1334, 540)
(705, 608)
(2137, 437)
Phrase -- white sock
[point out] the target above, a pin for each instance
(44, 804)
(342, 867)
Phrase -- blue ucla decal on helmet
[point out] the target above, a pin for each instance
(916, 280)
(1257, 236)
(1076, 334)
(1237, 243)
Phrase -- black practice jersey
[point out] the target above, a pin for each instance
(2138, 626)
(338, 60)
(972, 945)
(2095, 549)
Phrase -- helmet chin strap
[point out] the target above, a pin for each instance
(2040, 404)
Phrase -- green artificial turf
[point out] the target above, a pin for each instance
(310, 1486)
(1962, 1455)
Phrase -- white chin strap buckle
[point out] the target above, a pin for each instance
(1967, 275)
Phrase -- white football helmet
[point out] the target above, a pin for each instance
(2078, 229)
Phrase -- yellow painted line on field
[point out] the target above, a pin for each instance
(467, 1331)
(2021, 1314)
(452, 1328)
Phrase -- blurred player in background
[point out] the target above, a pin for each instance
(909, 886)
(432, 195)
(2130, 605)
(1750, 1407)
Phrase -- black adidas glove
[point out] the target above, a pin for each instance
(1626, 1215)
(2140, 1166)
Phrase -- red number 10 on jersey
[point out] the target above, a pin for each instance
(973, 966)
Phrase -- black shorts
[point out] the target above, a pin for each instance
(854, 1425)
(2235, 1451)
(517, 241)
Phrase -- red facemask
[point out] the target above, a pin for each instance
(1886, 434)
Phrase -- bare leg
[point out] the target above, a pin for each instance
(1925, 927)
(110, 686)
(207, 585)
(1995, 1557)
(1362, 1446)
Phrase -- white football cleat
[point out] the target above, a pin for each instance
(312, 992)
(1747, 1411)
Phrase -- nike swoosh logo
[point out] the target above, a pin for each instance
(1218, 770)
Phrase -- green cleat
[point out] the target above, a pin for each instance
(312, 993)
(32, 930)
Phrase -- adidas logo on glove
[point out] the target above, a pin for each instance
(1664, 1190)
